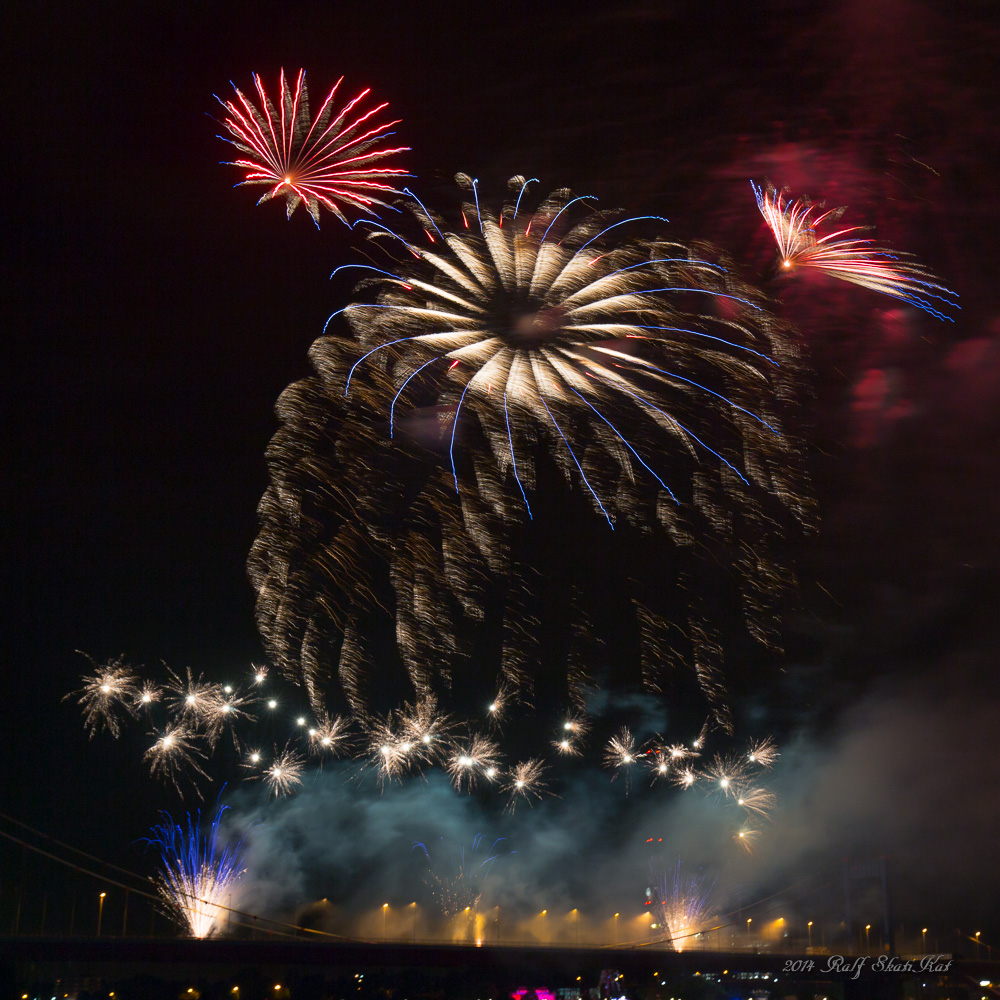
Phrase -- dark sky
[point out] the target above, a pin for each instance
(152, 315)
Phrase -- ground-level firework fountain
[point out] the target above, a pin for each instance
(198, 873)
(682, 900)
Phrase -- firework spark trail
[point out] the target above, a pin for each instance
(111, 691)
(684, 777)
(795, 225)
(746, 837)
(497, 708)
(198, 872)
(758, 801)
(566, 746)
(147, 695)
(677, 752)
(326, 161)
(762, 753)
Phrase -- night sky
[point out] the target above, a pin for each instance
(152, 315)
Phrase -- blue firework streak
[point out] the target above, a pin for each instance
(617, 352)
(462, 888)
(198, 871)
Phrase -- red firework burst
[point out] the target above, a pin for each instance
(795, 226)
(326, 161)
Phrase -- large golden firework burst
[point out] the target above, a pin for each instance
(646, 373)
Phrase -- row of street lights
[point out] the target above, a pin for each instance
(576, 924)
(575, 914)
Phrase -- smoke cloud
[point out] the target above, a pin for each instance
(901, 774)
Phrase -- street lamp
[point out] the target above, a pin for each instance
(810, 927)
(385, 909)
(923, 940)
(100, 913)
(749, 920)
(617, 915)
(977, 943)
(576, 924)
(414, 906)
(868, 927)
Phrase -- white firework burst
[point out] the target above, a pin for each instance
(430, 730)
(410, 738)
(328, 736)
(220, 711)
(757, 800)
(659, 763)
(175, 751)
(194, 700)
(746, 837)
(543, 323)
(497, 707)
(110, 692)
(526, 782)
(621, 754)
(726, 773)
(763, 753)
(285, 773)
(677, 753)
(684, 777)
(393, 754)
(147, 695)
(566, 746)
(476, 758)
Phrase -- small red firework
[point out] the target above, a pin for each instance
(326, 161)
(795, 225)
